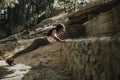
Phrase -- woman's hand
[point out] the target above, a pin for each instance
(63, 41)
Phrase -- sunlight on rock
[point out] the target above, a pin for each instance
(17, 71)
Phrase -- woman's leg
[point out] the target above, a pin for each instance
(36, 44)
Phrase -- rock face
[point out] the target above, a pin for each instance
(93, 58)
(83, 59)
(12, 72)
(97, 56)
(104, 24)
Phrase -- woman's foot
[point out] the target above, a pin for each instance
(10, 62)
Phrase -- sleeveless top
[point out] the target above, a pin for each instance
(51, 34)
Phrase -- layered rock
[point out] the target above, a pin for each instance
(96, 57)
(93, 58)
(95, 23)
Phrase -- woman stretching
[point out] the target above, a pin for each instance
(51, 37)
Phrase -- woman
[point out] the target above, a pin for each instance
(52, 36)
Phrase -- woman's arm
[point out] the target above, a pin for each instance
(54, 35)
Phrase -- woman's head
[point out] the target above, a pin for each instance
(60, 28)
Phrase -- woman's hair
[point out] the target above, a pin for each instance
(59, 26)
